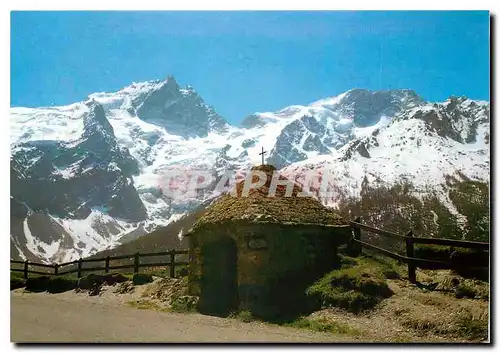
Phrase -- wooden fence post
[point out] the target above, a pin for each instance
(357, 236)
(26, 269)
(107, 265)
(79, 273)
(172, 263)
(412, 275)
(136, 263)
(56, 269)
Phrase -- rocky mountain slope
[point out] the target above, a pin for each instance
(95, 174)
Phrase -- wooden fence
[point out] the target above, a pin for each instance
(410, 240)
(77, 265)
(355, 245)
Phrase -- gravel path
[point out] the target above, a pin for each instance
(76, 317)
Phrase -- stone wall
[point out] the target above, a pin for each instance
(274, 261)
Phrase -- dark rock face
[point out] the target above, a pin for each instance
(68, 178)
(17, 208)
(366, 107)
(252, 121)
(455, 120)
(361, 147)
(248, 143)
(180, 111)
(223, 162)
(315, 136)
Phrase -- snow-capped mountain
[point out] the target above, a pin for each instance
(87, 176)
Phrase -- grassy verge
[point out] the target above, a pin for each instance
(463, 324)
(164, 271)
(473, 327)
(51, 284)
(144, 304)
(244, 316)
(359, 284)
(323, 325)
(457, 257)
(17, 280)
(63, 283)
(320, 325)
(141, 278)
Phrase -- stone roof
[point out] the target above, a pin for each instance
(258, 207)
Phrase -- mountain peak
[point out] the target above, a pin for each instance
(180, 111)
(95, 120)
(367, 107)
(171, 82)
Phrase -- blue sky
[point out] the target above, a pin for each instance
(242, 62)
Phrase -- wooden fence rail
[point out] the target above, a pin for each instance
(412, 262)
(107, 267)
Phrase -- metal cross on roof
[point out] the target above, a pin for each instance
(262, 154)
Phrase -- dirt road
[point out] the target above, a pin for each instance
(71, 317)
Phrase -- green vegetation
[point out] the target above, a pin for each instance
(244, 316)
(432, 252)
(359, 284)
(424, 326)
(184, 303)
(141, 278)
(471, 326)
(451, 282)
(472, 200)
(124, 287)
(463, 324)
(458, 257)
(51, 284)
(390, 268)
(92, 280)
(173, 293)
(63, 283)
(474, 289)
(323, 325)
(398, 209)
(17, 280)
(164, 271)
(145, 304)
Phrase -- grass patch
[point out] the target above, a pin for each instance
(63, 283)
(144, 304)
(51, 284)
(359, 284)
(390, 268)
(141, 278)
(458, 257)
(164, 271)
(16, 275)
(473, 289)
(59, 284)
(244, 315)
(93, 282)
(424, 326)
(432, 252)
(124, 287)
(464, 325)
(184, 303)
(173, 292)
(322, 325)
(400, 311)
(427, 299)
(451, 282)
(17, 280)
(472, 327)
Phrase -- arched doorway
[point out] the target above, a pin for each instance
(218, 282)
